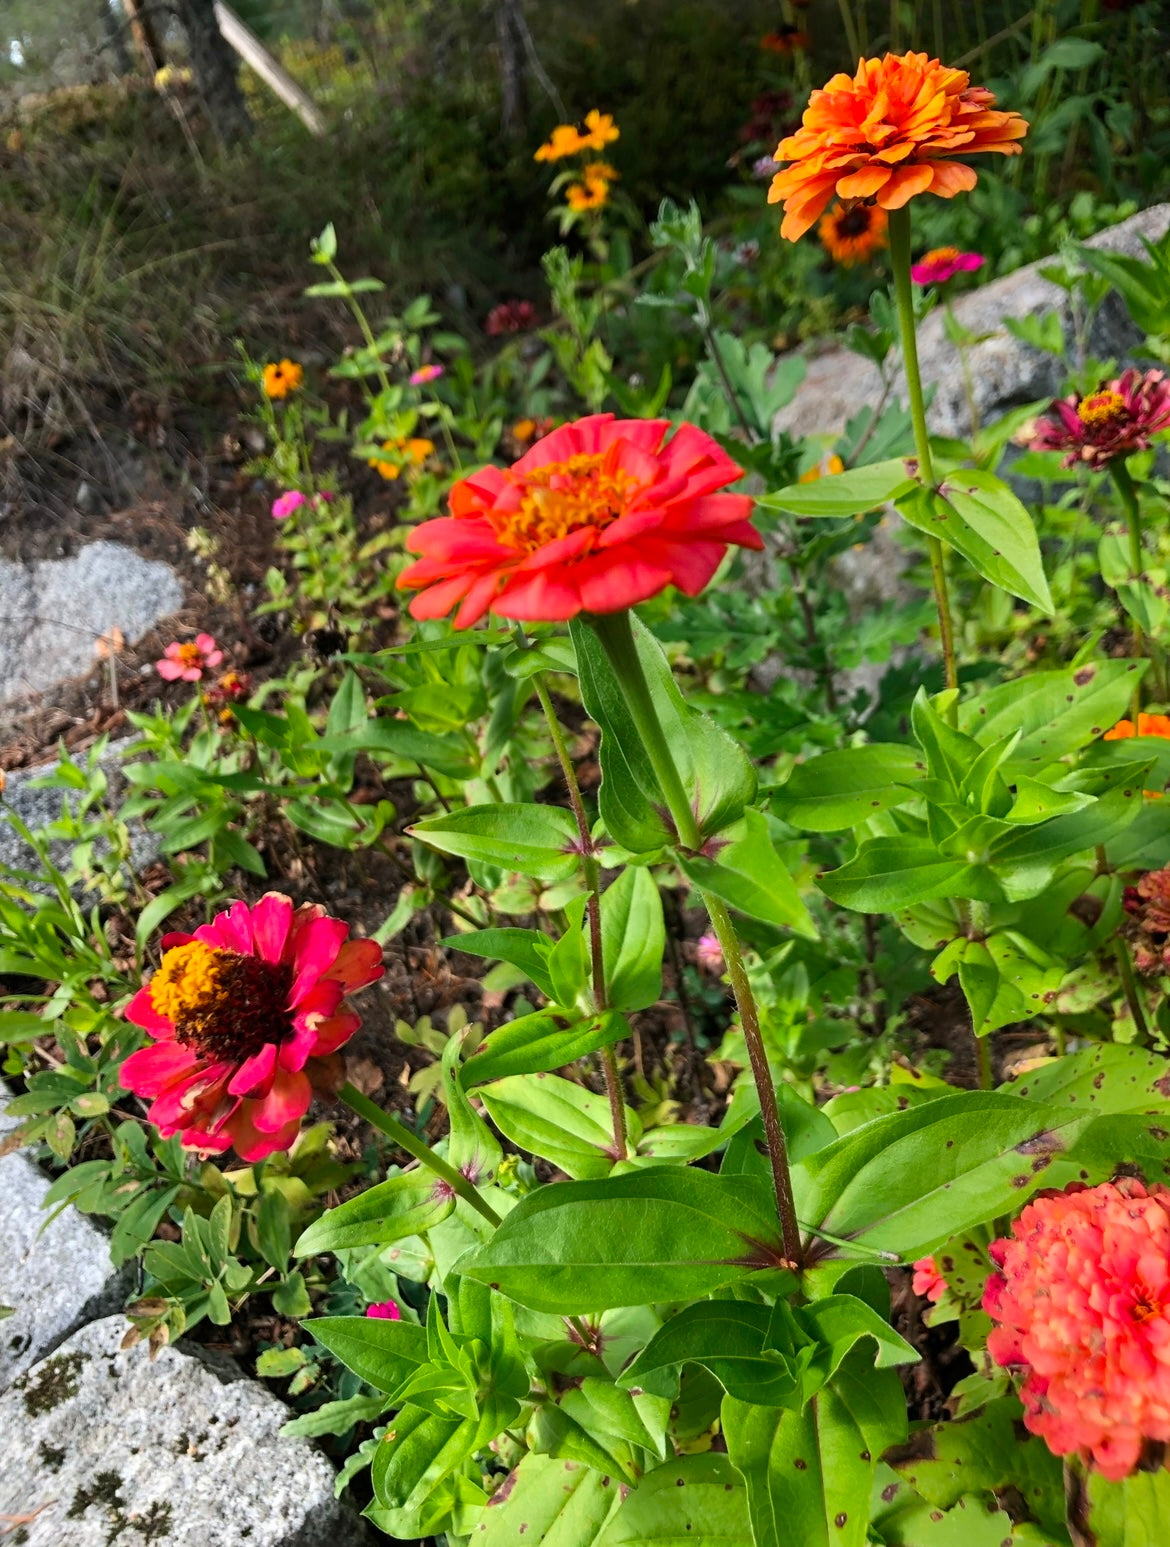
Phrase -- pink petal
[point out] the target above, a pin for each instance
(296, 1050)
(539, 597)
(271, 920)
(608, 587)
(141, 1012)
(358, 962)
(168, 670)
(287, 1102)
(249, 1143)
(230, 931)
(254, 1072)
(205, 643)
(335, 1031)
(314, 952)
(157, 1067)
(321, 999)
(478, 600)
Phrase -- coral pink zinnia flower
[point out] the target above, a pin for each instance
(595, 517)
(1117, 419)
(943, 263)
(424, 374)
(189, 661)
(1082, 1306)
(888, 133)
(928, 1280)
(243, 1014)
(384, 1310)
(1147, 921)
(286, 504)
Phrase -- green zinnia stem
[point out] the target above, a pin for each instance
(413, 1145)
(617, 639)
(899, 230)
(1123, 482)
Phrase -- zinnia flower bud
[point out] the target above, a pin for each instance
(384, 1310)
(1082, 1312)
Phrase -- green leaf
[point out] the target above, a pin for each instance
(403, 1206)
(841, 789)
(749, 876)
(1107, 1078)
(850, 493)
(1058, 712)
(716, 773)
(979, 516)
(548, 1039)
(809, 1474)
(547, 1502)
(633, 938)
(727, 1337)
(383, 1353)
(291, 1297)
(448, 755)
(695, 1501)
(273, 1234)
(555, 1119)
(587, 1246)
(1132, 1513)
(897, 872)
(537, 841)
(1005, 977)
(333, 1418)
(524, 948)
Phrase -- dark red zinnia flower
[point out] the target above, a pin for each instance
(1117, 419)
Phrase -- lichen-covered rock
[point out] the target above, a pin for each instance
(54, 1275)
(103, 1446)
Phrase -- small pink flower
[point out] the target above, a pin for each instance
(510, 317)
(325, 497)
(384, 1310)
(284, 507)
(928, 1280)
(709, 953)
(424, 374)
(188, 662)
(943, 263)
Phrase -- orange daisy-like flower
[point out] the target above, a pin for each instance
(593, 191)
(596, 517)
(853, 233)
(600, 130)
(1147, 725)
(887, 133)
(282, 378)
(413, 452)
(565, 140)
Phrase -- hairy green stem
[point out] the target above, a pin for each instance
(592, 878)
(900, 260)
(413, 1145)
(617, 639)
(1129, 985)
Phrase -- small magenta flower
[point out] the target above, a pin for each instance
(287, 503)
(1082, 1307)
(928, 1280)
(709, 953)
(510, 317)
(1117, 419)
(424, 374)
(188, 662)
(943, 263)
(384, 1310)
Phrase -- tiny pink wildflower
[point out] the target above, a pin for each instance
(188, 662)
(510, 317)
(709, 953)
(424, 374)
(286, 504)
(928, 1280)
(384, 1310)
(943, 263)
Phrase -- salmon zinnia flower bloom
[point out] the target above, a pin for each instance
(1082, 1302)
(928, 1280)
(281, 379)
(595, 517)
(188, 662)
(853, 233)
(943, 263)
(887, 133)
(1117, 419)
(243, 1013)
(1147, 922)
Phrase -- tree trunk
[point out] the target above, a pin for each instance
(214, 66)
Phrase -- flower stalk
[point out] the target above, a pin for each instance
(413, 1145)
(1123, 482)
(900, 258)
(617, 639)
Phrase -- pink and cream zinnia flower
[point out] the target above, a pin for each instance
(943, 263)
(243, 1014)
(1117, 419)
(189, 661)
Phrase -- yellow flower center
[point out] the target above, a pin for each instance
(1101, 409)
(224, 1005)
(941, 255)
(563, 497)
(190, 655)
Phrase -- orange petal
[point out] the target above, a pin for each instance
(904, 183)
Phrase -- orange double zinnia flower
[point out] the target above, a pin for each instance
(887, 133)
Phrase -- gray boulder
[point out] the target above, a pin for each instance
(1005, 372)
(102, 1445)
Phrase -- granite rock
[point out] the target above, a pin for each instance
(1005, 372)
(53, 611)
(55, 1274)
(102, 1445)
